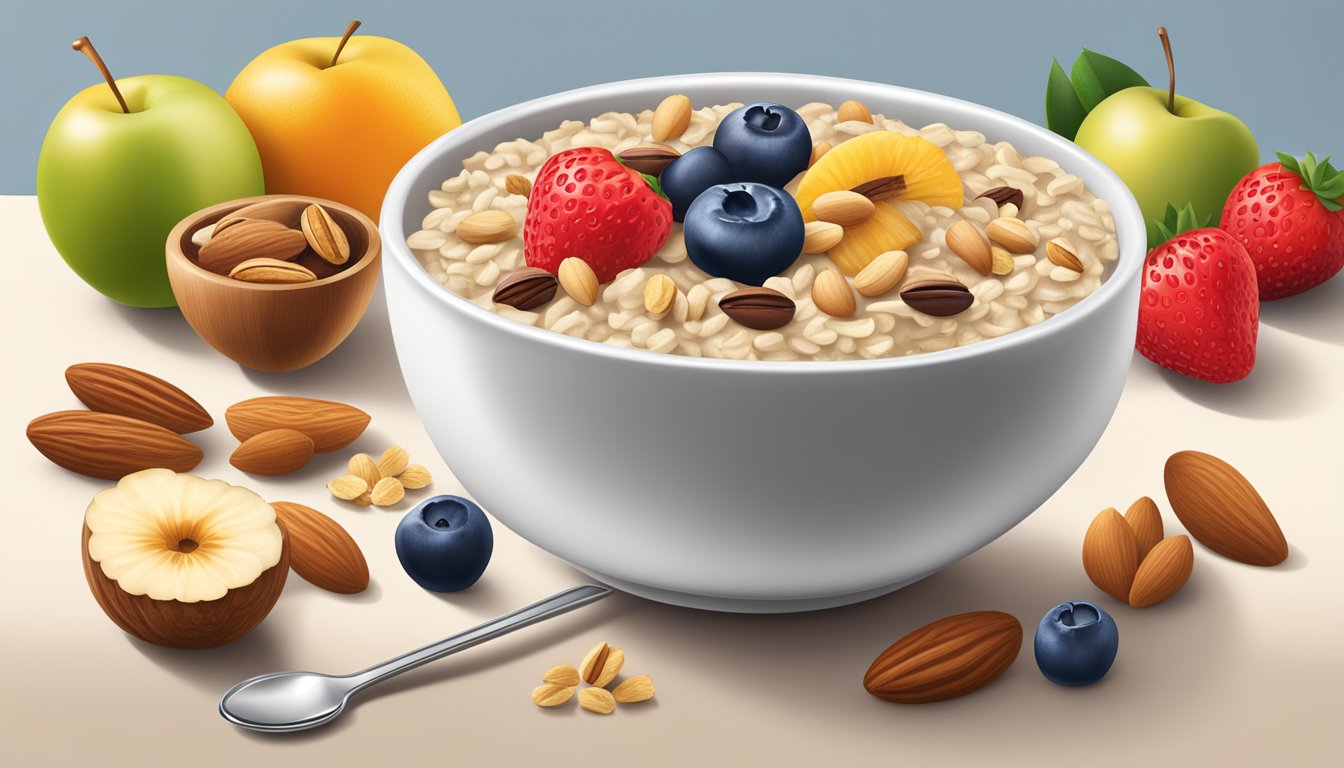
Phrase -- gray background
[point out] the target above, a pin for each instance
(1268, 63)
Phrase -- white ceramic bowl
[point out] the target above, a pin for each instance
(755, 486)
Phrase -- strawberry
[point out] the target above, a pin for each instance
(1200, 309)
(1286, 215)
(584, 203)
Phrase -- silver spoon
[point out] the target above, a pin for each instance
(293, 701)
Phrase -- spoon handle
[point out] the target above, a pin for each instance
(552, 606)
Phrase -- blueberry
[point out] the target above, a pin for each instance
(744, 232)
(1076, 643)
(445, 543)
(764, 142)
(691, 174)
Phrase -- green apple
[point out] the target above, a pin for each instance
(112, 181)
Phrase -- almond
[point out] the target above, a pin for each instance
(1110, 554)
(1061, 255)
(250, 239)
(671, 118)
(659, 293)
(1222, 510)
(331, 425)
(1163, 572)
(1146, 522)
(818, 150)
(882, 273)
(487, 227)
(563, 674)
(633, 689)
(967, 242)
(853, 110)
(602, 664)
(321, 551)
(128, 392)
(393, 462)
(363, 466)
(843, 207)
(517, 184)
(832, 295)
(821, 236)
(324, 235)
(949, 658)
(348, 487)
(578, 280)
(108, 445)
(272, 271)
(597, 700)
(1013, 234)
(1000, 261)
(551, 695)
(273, 452)
(283, 211)
(415, 477)
(387, 492)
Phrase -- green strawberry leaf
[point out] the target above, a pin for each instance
(654, 184)
(1175, 222)
(1063, 111)
(1318, 176)
(1096, 76)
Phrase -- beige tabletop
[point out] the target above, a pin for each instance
(1242, 667)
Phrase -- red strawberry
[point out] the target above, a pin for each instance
(1286, 216)
(584, 203)
(1200, 310)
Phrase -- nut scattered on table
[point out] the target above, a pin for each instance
(599, 669)
(382, 482)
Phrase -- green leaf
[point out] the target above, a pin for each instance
(1096, 76)
(1174, 222)
(655, 184)
(1063, 111)
(1318, 176)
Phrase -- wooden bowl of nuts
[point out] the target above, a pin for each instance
(274, 282)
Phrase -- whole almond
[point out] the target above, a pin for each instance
(273, 452)
(843, 207)
(324, 235)
(563, 674)
(489, 226)
(659, 293)
(578, 280)
(949, 658)
(128, 392)
(671, 118)
(651, 159)
(517, 184)
(821, 236)
(818, 150)
(853, 110)
(331, 425)
(415, 477)
(202, 235)
(1001, 261)
(387, 492)
(282, 211)
(265, 270)
(551, 695)
(937, 295)
(762, 309)
(697, 300)
(363, 466)
(1061, 254)
(108, 445)
(1004, 195)
(602, 663)
(1013, 234)
(633, 689)
(967, 242)
(832, 295)
(1110, 554)
(250, 239)
(393, 462)
(1222, 510)
(526, 288)
(597, 700)
(882, 273)
(348, 487)
(321, 551)
(1146, 522)
(1163, 572)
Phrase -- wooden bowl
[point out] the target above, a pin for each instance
(274, 327)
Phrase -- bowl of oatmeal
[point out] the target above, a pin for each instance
(631, 376)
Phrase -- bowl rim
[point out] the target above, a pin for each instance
(1130, 229)
(189, 223)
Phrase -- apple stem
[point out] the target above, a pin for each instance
(350, 30)
(85, 47)
(1171, 70)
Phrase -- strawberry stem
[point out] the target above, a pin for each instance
(1318, 176)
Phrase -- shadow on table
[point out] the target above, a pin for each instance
(1317, 314)
(165, 327)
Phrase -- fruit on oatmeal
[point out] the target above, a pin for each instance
(1287, 217)
(970, 245)
(184, 562)
(882, 274)
(763, 309)
(1076, 643)
(109, 446)
(1163, 572)
(832, 295)
(585, 204)
(331, 425)
(273, 452)
(128, 392)
(1146, 522)
(1222, 510)
(686, 177)
(913, 168)
(948, 658)
(526, 289)
(649, 159)
(578, 280)
(939, 295)
(444, 543)
(745, 232)
(764, 142)
(1111, 554)
(321, 551)
(1199, 313)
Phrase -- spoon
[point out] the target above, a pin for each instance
(292, 701)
